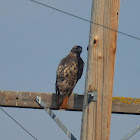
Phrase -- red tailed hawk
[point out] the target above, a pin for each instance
(69, 72)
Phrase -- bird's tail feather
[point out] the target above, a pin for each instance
(61, 98)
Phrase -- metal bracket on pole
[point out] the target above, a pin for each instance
(92, 96)
(54, 117)
(130, 134)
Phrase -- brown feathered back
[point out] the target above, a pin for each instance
(69, 72)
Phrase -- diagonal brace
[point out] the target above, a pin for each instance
(55, 118)
(133, 132)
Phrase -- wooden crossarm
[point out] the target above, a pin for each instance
(20, 99)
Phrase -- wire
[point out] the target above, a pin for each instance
(84, 19)
(18, 123)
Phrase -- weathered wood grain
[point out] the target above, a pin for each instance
(100, 69)
(27, 100)
(21, 99)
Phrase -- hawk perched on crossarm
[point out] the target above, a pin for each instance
(69, 72)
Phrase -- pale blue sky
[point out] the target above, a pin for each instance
(33, 40)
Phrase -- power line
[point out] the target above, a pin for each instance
(18, 123)
(84, 19)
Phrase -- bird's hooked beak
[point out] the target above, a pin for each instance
(79, 49)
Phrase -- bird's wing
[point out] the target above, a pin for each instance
(67, 75)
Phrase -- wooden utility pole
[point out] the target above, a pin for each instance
(100, 70)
